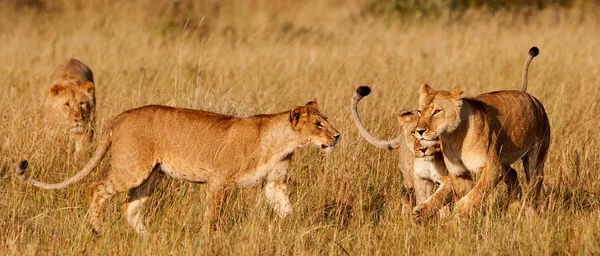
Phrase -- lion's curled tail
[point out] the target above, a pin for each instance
(383, 144)
(87, 169)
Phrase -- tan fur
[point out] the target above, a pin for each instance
(484, 135)
(404, 141)
(71, 105)
(429, 172)
(419, 168)
(202, 147)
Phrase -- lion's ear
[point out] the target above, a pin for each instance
(296, 114)
(457, 92)
(87, 87)
(56, 89)
(405, 117)
(313, 105)
(424, 92)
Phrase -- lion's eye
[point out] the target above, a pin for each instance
(82, 104)
(419, 112)
(67, 105)
(437, 111)
(319, 124)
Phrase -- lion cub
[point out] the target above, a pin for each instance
(422, 167)
(201, 147)
(71, 105)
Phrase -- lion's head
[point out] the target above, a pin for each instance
(407, 120)
(439, 113)
(74, 102)
(313, 127)
(425, 152)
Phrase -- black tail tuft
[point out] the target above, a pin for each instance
(22, 167)
(534, 51)
(363, 90)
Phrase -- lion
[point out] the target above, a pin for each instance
(71, 105)
(484, 135)
(422, 167)
(418, 181)
(201, 147)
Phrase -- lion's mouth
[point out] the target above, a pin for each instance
(328, 148)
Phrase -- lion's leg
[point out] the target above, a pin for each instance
(408, 188)
(276, 190)
(511, 179)
(215, 196)
(408, 198)
(423, 189)
(128, 171)
(435, 202)
(132, 209)
(81, 145)
(488, 173)
(533, 163)
(100, 192)
(461, 185)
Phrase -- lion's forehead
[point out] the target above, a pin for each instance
(73, 95)
(317, 113)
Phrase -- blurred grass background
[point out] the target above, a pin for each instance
(258, 56)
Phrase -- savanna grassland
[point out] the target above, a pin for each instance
(259, 56)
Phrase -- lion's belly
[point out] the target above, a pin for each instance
(254, 177)
(191, 174)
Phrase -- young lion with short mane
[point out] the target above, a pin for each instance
(71, 105)
(201, 147)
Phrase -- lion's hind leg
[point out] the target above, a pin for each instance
(511, 179)
(100, 192)
(533, 162)
(138, 196)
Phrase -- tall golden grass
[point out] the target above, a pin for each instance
(249, 57)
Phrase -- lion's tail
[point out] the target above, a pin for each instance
(87, 169)
(383, 144)
(534, 51)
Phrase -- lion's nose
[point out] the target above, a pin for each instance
(420, 131)
(337, 137)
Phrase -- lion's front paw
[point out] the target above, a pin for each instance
(464, 208)
(284, 210)
(420, 213)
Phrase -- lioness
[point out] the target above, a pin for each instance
(485, 134)
(71, 105)
(417, 185)
(422, 167)
(202, 147)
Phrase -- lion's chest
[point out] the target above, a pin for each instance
(426, 169)
(470, 162)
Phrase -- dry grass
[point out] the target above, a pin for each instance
(248, 57)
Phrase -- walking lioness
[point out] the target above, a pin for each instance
(485, 134)
(71, 105)
(202, 147)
